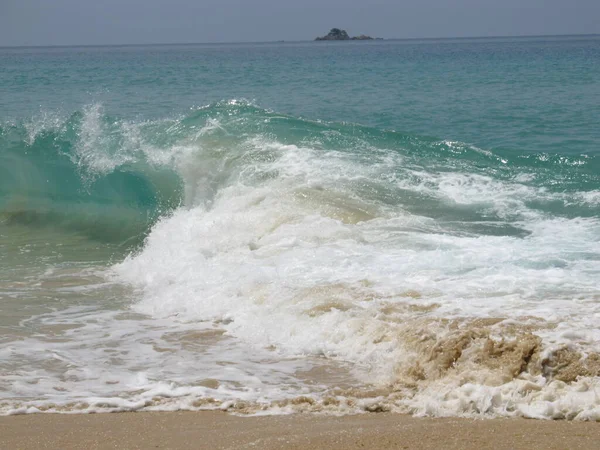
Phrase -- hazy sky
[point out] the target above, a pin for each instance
(65, 22)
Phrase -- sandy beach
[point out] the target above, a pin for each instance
(218, 430)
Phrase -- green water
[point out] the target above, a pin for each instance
(295, 197)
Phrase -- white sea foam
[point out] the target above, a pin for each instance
(280, 267)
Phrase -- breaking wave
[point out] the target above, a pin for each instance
(448, 279)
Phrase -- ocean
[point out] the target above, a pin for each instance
(328, 227)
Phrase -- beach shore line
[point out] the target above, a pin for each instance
(219, 430)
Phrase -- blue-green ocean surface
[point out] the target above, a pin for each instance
(410, 226)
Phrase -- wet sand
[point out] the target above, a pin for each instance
(218, 430)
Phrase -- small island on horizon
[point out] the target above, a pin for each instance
(337, 34)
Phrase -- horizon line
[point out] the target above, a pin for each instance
(279, 41)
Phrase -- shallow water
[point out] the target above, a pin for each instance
(401, 225)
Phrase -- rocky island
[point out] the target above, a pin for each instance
(340, 35)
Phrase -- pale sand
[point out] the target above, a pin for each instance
(217, 430)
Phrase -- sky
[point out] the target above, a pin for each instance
(98, 22)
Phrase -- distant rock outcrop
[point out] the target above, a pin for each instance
(335, 35)
(340, 35)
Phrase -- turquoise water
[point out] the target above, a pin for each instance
(534, 94)
(213, 225)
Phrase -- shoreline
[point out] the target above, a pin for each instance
(220, 430)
